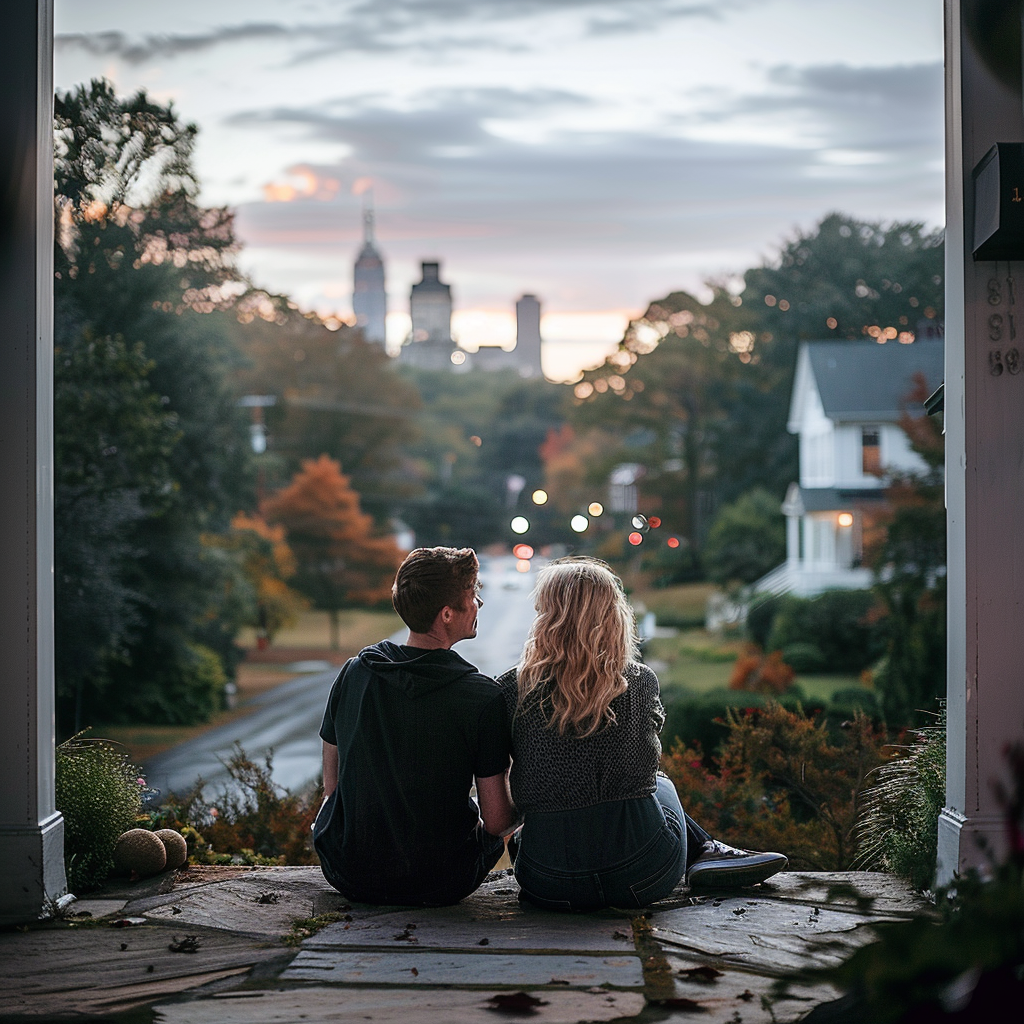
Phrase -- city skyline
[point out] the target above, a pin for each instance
(597, 153)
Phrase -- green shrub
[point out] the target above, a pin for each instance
(761, 617)
(184, 692)
(701, 719)
(804, 657)
(99, 793)
(746, 540)
(839, 622)
(899, 823)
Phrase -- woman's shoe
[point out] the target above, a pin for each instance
(724, 867)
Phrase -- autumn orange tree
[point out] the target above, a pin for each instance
(267, 563)
(341, 563)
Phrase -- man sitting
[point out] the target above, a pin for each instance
(407, 730)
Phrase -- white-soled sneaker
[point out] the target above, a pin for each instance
(724, 867)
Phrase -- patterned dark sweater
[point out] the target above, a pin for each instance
(559, 773)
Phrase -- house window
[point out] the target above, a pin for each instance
(870, 452)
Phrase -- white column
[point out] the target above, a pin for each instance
(31, 830)
(984, 416)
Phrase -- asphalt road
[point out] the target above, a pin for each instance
(286, 720)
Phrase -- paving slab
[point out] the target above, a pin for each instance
(487, 920)
(98, 968)
(866, 891)
(429, 967)
(730, 995)
(763, 935)
(258, 904)
(394, 1006)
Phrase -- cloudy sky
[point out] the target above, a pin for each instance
(599, 153)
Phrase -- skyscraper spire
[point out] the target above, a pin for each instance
(368, 238)
(369, 298)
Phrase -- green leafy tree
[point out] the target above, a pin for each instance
(746, 540)
(907, 549)
(698, 392)
(113, 471)
(138, 259)
(333, 392)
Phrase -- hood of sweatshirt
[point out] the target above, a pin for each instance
(417, 672)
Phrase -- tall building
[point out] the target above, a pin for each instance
(369, 299)
(430, 344)
(527, 350)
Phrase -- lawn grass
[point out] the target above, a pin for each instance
(357, 627)
(696, 661)
(683, 602)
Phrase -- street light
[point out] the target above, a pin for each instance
(520, 524)
(579, 523)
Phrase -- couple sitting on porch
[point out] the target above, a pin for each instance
(588, 819)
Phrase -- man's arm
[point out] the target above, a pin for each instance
(496, 807)
(330, 761)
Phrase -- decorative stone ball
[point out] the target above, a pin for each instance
(141, 851)
(175, 845)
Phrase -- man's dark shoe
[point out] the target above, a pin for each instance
(724, 867)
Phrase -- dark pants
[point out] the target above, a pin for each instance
(463, 870)
(624, 853)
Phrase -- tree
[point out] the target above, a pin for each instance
(907, 550)
(113, 471)
(139, 264)
(334, 392)
(698, 392)
(746, 540)
(341, 563)
(263, 563)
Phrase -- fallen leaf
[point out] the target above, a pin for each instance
(681, 1003)
(558, 981)
(704, 973)
(516, 1003)
(414, 972)
(484, 942)
(189, 944)
(746, 995)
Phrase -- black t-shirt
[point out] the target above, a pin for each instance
(412, 727)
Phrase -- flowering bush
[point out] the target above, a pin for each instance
(254, 821)
(99, 792)
(780, 782)
(761, 673)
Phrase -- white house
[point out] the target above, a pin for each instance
(848, 397)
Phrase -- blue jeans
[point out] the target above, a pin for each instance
(624, 853)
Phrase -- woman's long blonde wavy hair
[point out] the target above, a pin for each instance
(580, 642)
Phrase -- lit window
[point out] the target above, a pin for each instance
(870, 452)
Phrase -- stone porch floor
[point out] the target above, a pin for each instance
(207, 946)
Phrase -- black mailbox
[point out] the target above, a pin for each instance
(999, 203)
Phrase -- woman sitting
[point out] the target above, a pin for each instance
(601, 826)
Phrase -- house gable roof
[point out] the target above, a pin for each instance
(862, 381)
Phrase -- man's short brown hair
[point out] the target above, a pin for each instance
(430, 579)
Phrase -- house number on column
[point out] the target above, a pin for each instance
(1002, 327)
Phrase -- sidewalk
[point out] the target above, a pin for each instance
(210, 948)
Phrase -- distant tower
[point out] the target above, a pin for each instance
(369, 299)
(527, 350)
(430, 342)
